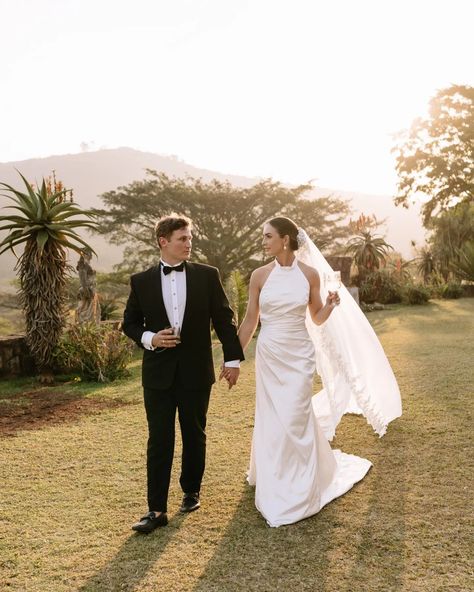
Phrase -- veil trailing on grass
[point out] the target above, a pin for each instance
(356, 375)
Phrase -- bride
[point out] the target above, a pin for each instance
(292, 465)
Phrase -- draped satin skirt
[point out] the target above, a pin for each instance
(293, 468)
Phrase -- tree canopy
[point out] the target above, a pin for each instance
(227, 220)
(435, 157)
(450, 232)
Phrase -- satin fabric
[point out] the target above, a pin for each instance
(292, 465)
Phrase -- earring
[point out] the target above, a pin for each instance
(284, 248)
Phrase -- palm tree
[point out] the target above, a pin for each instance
(368, 251)
(46, 226)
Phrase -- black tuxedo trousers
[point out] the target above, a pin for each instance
(161, 407)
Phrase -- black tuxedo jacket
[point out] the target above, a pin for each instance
(206, 302)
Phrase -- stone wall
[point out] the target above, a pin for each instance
(15, 359)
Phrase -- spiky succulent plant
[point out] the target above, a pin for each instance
(45, 223)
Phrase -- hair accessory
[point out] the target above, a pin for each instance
(301, 237)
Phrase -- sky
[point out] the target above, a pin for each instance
(296, 90)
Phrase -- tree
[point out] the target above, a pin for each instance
(324, 219)
(369, 251)
(435, 157)
(450, 231)
(227, 220)
(463, 268)
(46, 227)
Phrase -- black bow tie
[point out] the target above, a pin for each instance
(168, 269)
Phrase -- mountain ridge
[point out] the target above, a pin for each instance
(92, 173)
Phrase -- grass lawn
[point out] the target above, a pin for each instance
(72, 481)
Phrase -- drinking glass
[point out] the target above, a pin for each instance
(332, 281)
(177, 334)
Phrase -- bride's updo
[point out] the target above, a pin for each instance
(286, 226)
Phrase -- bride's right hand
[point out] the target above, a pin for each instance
(333, 299)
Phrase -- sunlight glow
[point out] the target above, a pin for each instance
(293, 90)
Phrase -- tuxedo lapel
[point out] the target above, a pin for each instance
(156, 293)
(190, 291)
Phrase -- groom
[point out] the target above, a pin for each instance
(168, 313)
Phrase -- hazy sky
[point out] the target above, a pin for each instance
(293, 89)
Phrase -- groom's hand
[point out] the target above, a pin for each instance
(164, 338)
(230, 374)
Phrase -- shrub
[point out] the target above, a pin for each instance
(452, 290)
(415, 294)
(237, 292)
(435, 284)
(108, 308)
(367, 292)
(98, 352)
(380, 286)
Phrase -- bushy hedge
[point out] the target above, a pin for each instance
(440, 288)
(415, 294)
(384, 287)
(380, 286)
(97, 352)
(452, 290)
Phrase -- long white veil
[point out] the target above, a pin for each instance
(356, 375)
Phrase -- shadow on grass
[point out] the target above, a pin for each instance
(381, 542)
(252, 556)
(134, 559)
(35, 409)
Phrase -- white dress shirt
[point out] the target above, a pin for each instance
(173, 288)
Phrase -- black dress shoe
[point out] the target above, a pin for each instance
(150, 521)
(190, 502)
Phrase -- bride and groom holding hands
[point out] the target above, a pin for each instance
(169, 313)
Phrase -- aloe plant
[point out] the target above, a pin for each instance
(369, 252)
(44, 223)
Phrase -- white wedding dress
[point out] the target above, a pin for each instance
(292, 465)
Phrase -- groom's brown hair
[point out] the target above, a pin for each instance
(166, 225)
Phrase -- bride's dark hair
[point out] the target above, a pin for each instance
(286, 226)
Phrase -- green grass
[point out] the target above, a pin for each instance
(71, 489)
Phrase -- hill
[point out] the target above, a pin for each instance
(92, 173)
